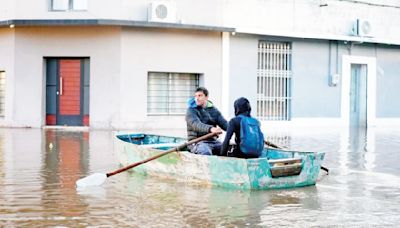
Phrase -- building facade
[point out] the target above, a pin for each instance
(133, 64)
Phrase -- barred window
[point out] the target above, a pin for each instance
(68, 5)
(2, 92)
(168, 93)
(274, 77)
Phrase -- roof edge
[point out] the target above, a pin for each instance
(316, 36)
(109, 22)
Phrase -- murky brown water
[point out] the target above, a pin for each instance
(38, 170)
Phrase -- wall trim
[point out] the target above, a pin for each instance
(108, 22)
(225, 73)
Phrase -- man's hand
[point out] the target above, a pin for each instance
(216, 130)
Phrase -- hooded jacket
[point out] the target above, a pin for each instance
(200, 120)
(242, 107)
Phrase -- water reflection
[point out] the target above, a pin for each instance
(65, 158)
(38, 170)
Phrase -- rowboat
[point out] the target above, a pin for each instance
(274, 169)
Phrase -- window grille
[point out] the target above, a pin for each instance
(68, 5)
(2, 92)
(168, 93)
(274, 77)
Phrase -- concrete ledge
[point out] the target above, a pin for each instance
(67, 128)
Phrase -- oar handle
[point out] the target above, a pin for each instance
(178, 148)
(271, 144)
(325, 169)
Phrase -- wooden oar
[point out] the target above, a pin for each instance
(99, 178)
(277, 147)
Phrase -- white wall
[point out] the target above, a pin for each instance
(307, 18)
(7, 8)
(205, 12)
(301, 18)
(26, 9)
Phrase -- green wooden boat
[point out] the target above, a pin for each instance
(274, 169)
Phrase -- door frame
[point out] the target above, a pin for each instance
(370, 62)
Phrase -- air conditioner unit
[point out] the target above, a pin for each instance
(162, 11)
(362, 28)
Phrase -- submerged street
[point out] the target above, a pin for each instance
(39, 168)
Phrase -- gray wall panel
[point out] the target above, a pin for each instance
(388, 82)
(312, 95)
(243, 73)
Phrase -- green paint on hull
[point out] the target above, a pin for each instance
(228, 172)
(216, 170)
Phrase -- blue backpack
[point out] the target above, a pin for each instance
(251, 137)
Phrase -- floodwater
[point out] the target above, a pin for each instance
(39, 168)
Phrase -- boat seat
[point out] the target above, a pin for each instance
(159, 145)
(285, 167)
(284, 161)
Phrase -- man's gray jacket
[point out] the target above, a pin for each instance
(200, 120)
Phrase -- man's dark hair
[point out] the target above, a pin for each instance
(203, 90)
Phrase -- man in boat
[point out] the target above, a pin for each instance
(202, 118)
(254, 140)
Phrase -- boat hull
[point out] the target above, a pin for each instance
(222, 171)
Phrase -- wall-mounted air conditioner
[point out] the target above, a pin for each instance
(162, 11)
(362, 28)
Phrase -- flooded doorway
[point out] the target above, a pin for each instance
(358, 95)
(67, 91)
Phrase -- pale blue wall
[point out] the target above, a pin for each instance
(388, 82)
(312, 96)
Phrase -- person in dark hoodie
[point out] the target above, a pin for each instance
(242, 107)
(202, 118)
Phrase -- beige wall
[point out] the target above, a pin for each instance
(7, 57)
(165, 51)
(33, 44)
(119, 64)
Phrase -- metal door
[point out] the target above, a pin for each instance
(358, 96)
(67, 89)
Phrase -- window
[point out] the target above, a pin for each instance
(68, 5)
(168, 93)
(274, 77)
(2, 92)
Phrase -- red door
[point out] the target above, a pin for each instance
(65, 92)
(69, 94)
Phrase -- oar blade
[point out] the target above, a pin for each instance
(95, 179)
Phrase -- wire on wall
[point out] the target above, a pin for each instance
(370, 4)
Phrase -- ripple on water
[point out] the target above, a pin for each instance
(37, 185)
